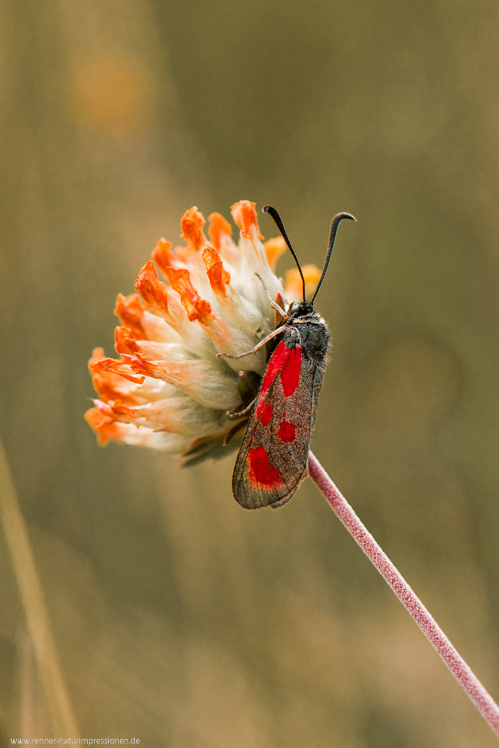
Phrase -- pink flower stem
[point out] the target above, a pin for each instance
(464, 675)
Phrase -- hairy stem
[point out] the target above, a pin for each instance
(458, 667)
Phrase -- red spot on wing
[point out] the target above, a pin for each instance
(265, 411)
(287, 432)
(290, 374)
(261, 472)
(273, 366)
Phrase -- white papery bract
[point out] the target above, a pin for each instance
(169, 390)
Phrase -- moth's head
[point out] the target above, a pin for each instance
(300, 309)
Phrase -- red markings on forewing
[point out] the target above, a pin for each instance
(288, 362)
(265, 411)
(287, 432)
(260, 471)
(273, 367)
(290, 374)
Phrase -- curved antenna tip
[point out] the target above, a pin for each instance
(332, 236)
(340, 216)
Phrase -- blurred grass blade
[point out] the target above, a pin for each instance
(4, 741)
(37, 618)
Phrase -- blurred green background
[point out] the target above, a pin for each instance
(179, 618)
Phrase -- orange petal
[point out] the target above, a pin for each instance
(141, 365)
(192, 228)
(152, 290)
(244, 215)
(194, 305)
(116, 367)
(184, 254)
(274, 248)
(130, 311)
(219, 277)
(104, 386)
(115, 411)
(124, 342)
(108, 385)
(106, 429)
(97, 354)
(218, 227)
(163, 256)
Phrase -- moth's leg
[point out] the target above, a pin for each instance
(272, 303)
(237, 414)
(295, 329)
(247, 382)
(257, 347)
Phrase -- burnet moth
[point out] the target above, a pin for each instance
(273, 456)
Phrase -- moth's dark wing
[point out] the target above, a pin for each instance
(273, 457)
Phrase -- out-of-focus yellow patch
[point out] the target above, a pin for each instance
(293, 285)
(111, 94)
(274, 248)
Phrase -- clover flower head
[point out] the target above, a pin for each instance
(169, 390)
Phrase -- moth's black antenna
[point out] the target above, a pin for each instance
(278, 222)
(332, 236)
